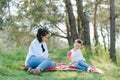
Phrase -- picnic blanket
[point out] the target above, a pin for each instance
(64, 67)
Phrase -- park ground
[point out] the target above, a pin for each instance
(11, 67)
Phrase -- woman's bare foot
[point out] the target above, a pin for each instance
(35, 71)
(29, 69)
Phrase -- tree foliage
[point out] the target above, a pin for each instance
(55, 15)
(4, 13)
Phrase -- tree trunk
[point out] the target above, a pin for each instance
(69, 38)
(79, 12)
(79, 27)
(94, 24)
(112, 31)
(71, 18)
(108, 35)
(80, 17)
(103, 36)
(1, 24)
(84, 30)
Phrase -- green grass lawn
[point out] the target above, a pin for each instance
(11, 68)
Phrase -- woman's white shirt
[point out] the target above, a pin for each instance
(36, 50)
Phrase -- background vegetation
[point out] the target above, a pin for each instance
(96, 22)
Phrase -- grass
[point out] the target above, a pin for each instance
(11, 67)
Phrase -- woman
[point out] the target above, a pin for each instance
(37, 57)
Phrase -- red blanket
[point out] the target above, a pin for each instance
(64, 67)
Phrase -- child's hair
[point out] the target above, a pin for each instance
(79, 41)
(41, 33)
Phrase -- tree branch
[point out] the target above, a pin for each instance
(57, 35)
(60, 29)
(117, 15)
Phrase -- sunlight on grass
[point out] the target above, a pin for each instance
(118, 59)
(69, 75)
(103, 61)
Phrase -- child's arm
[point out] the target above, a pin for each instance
(71, 63)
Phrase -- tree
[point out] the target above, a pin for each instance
(95, 28)
(72, 22)
(112, 32)
(83, 29)
(4, 11)
(33, 14)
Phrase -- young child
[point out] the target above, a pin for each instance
(76, 57)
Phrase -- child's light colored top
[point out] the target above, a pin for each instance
(77, 55)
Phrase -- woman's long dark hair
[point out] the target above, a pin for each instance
(41, 33)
